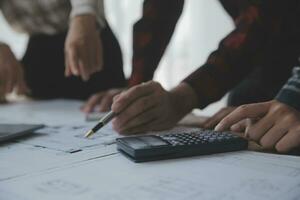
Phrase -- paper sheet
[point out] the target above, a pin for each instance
(65, 123)
(50, 112)
(18, 160)
(230, 176)
(56, 145)
(70, 138)
(58, 163)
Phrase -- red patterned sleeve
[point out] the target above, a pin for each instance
(236, 55)
(151, 35)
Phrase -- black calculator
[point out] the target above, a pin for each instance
(166, 146)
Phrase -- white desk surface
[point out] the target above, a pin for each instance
(43, 166)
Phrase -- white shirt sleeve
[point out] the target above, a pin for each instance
(94, 7)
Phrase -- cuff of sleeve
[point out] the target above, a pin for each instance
(290, 98)
(91, 7)
(135, 79)
(203, 85)
(202, 101)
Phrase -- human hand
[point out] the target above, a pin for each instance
(11, 73)
(276, 126)
(101, 100)
(212, 121)
(83, 48)
(149, 107)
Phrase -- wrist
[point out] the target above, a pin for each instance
(184, 99)
(87, 21)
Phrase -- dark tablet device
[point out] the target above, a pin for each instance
(144, 148)
(11, 131)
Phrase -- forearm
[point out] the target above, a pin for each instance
(236, 55)
(151, 35)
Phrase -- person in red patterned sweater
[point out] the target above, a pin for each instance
(151, 35)
(255, 60)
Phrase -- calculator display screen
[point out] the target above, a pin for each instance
(153, 141)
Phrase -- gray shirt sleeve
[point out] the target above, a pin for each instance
(94, 7)
(290, 93)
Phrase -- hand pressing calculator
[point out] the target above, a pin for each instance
(158, 147)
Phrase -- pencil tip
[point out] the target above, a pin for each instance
(89, 133)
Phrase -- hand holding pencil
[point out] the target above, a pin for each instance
(149, 107)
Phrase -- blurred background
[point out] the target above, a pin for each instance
(200, 28)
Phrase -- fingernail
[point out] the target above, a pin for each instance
(219, 127)
(85, 110)
(235, 127)
(116, 97)
(76, 73)
(207, 126)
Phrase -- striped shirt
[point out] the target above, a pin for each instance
(290, 93)
(48, 16)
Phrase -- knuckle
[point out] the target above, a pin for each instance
(145, 102)
(151, 82)
(136, 89)
(289, 118)
(155, 84)
(280, 109)
(123, 96)
(158, 86)
(224, 121)
(243, 109)
(116, 97)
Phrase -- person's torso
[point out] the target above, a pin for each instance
(37, 16)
